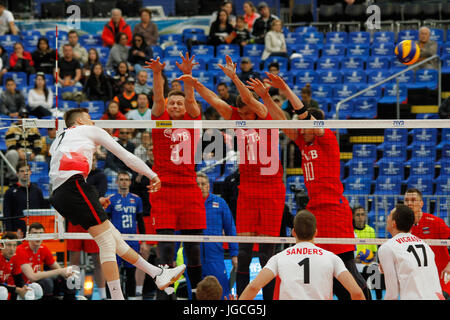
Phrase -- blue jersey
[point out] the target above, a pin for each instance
(123, 211)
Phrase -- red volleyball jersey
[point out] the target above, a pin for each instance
(8, 269)
(26, 255)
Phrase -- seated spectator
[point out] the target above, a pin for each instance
(226, 5)
(250, 14)
(142, 146)
(263, 24)
(247, 71)
(143, 111)
(127, 99)
(147, 28)
(113, 164)
(176, 85)
(306, 98)
(275, 42)
(12, 100)
(225, 95)
(119, 52)
(21, 60)
(241, 35)
(40, 98)
(112, 113)
(98, 86)
(7, 25)
(139, 53)
(221, 29)
(44, 57)
(18, 198)
(79, 53)
(47, 141)
(115, 25)
(274, 68)
(69, 70)
(119, 79)
(93, 58)
(428, 48)
(4, 62)
(141, 85)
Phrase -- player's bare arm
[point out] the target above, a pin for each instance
(36, 276)
(230, 71)
(159, 103)
(261, 280)
(186, 67)
(349, 283)
(213, 100)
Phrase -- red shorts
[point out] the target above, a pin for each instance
(88, 246)
(178, 206)
(260, 209)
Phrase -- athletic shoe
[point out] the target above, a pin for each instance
(169, 276)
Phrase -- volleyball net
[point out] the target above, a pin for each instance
(378, 161)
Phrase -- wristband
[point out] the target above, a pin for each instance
(308, 117)
(300, 111)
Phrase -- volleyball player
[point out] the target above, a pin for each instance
(259, 209)
(305, 270)
(407, 261)
(321, 169)
(179, 205)
(71, 160)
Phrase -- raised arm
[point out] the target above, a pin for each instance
(247, 97)
(159, 103)
(186, 67)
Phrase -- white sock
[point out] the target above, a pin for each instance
(139, 290)
(102, 292)
(115, 290)
(148, 268)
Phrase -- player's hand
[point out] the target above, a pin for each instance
(276, 81)
(105, 202)
(445, 274)
(155, 65)
(257, 86)
(155, 185)
(187, 79)
(22, 291)
(231, 297)
(229, 68)
(188, 63)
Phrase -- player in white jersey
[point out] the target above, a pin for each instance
(78, 202)
(305, 271)
(407, 261)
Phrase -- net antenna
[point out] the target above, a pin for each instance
(56, 83)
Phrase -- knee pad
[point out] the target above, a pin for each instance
(38, 292)
(121, 246)
(3, 293)
(244, 256)
(107, 246)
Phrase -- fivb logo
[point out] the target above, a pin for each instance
(319, 123)
(398, 123)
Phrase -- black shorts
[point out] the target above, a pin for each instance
(78, 202)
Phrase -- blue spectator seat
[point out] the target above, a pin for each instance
(393, 152)
(358, 50)
(210, 168)
(305, 29)
(356, 185)
(202, 51)
(445, 48)
(437, 35)
(333, 50)
(171, 39)
(328, 63)
(390, 93)
(343, 91)
(375, 93)
(424, 135)
(302, 63)
(383, 37)
(103, 53)
(173, 74)
(321, 91)
(355, 77)
(8, 41)
(282, 62)
(352, 63)
(421, 168)
(49, 80)
(392, 135)
(336, 37)
(426, 152)
(359, 37)
(443, 208)
(39, 168)
(293, 38)
(376, 76)
(187, 33)
(44, 184)
(232, 50)
(202, 64)
(90, 40)
(203, 76)
(175, 51)
(445, 151)
(425, 78)
(394, 168)
(406, 78)
(195, 38)
(332, 77)
(396, 65)
(363, 169)
(345, 110)
(307, 50)
(407, 35)
(383, 203)
(229, 168)
(363, 152)
(445, 59)
(303, 77)
(28, 33)
(20, 78)
(382, 49)
(377, 63)
(94, 107)
(443, 185)
(445, 167)
(312, 38)
(65, 105)
(286, 75)
(377, 220)
(364, 108)
(425, 185)
(171, 64)
(157, 52)
(30, 42)
(253, 50)
(387, 185)
(221, 77)
(445, 138)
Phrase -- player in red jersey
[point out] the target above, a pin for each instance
(428, 226)
(321, 170)
(262, 192)
(179, 205)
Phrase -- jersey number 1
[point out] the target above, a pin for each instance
(413, 251)
(305, 264)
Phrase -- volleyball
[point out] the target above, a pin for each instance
(366, 256)
(407, 52)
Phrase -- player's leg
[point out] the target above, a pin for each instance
(245, 255)
(140, 275)
(166, 255)
(194, 263)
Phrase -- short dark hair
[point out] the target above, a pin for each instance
(222, 84)
(356, 208)
(118, 36)
(305, 225)
(21, 164)
(71, 115)
(8, 235)
(142, 10)
(274, 64)
(209, 289)
(403, 217)
(36, 225)
(9, 80)
(414, 190)
(317, 113)
(73, 31)
(176, 93)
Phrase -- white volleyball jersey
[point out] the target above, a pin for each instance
(306, 272)
(409, 269)
(72, 152)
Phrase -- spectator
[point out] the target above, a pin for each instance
(263, 24)
(69, 70)
(21, 60)
(147, 28)
(79, 53)
(224, 94)
(247, 71)
(113, 165)
(274, 41)
(47, 141)
(113, 113)
(127, 99)
(306, 95)
(141, 86)
(139, 53)
(98, 86)
(227, 5)
(143, 143)
(176, 85)
(32, 256)
(428, 48)
(40, 98)
(7, 25)
(250, 14)
(12, 100)
(143, 111)
(113, 27)
(240, 35)
(220, 30)
(274, 68)
(209, 289)
(4, 61)
(121, 76)
(93, 58)
(219, 221)
(119, 52)
(44, 57)
(19, 197)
